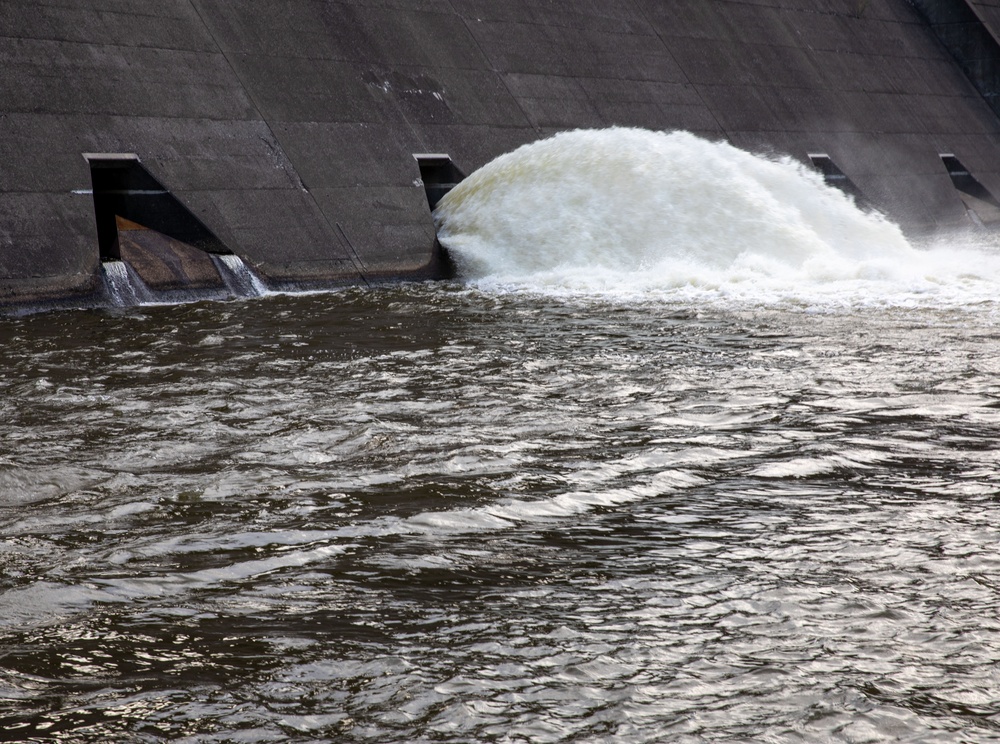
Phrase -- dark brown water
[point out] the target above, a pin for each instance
(435, 514)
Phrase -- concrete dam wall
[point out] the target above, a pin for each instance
(300, 135)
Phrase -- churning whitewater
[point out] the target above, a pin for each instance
(625, 210)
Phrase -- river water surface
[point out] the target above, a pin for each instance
(433, 513)
(729, 476)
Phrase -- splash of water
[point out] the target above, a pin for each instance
(624, 210)
(239, 278)
(123, 286)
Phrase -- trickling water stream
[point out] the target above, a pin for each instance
(124, 287)
(550, 503)
(239, 278)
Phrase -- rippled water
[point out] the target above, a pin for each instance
(440, 513)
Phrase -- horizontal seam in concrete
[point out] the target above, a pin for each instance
(601, 32)
(810, 11)
(159, 117)
(76, 42)
(687, 79)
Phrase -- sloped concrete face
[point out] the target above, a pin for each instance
(164, 263)
(288, 127)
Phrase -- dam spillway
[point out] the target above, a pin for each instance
(731, 476)
(287, 132)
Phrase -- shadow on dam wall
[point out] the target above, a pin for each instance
(205, 148)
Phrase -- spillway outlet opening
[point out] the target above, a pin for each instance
(981, 206)
(834, 176)
(123, 189)
(438, 174)
(109, 175)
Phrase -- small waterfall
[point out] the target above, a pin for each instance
(124, 287)
(238, 277)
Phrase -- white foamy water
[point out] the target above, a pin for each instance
(238, 277)
(619, 211)
(125, 288)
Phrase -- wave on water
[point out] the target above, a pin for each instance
(624, 211)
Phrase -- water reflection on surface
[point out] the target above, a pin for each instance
(433, 514)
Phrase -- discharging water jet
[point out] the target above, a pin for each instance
(631, 209)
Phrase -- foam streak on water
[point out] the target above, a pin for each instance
(620, 211)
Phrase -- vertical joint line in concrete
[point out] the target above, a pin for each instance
(274, 135)
(489, 61)
(355, 258)
(666, 47)
(236, 74)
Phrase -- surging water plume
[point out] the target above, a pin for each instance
(629, 209)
